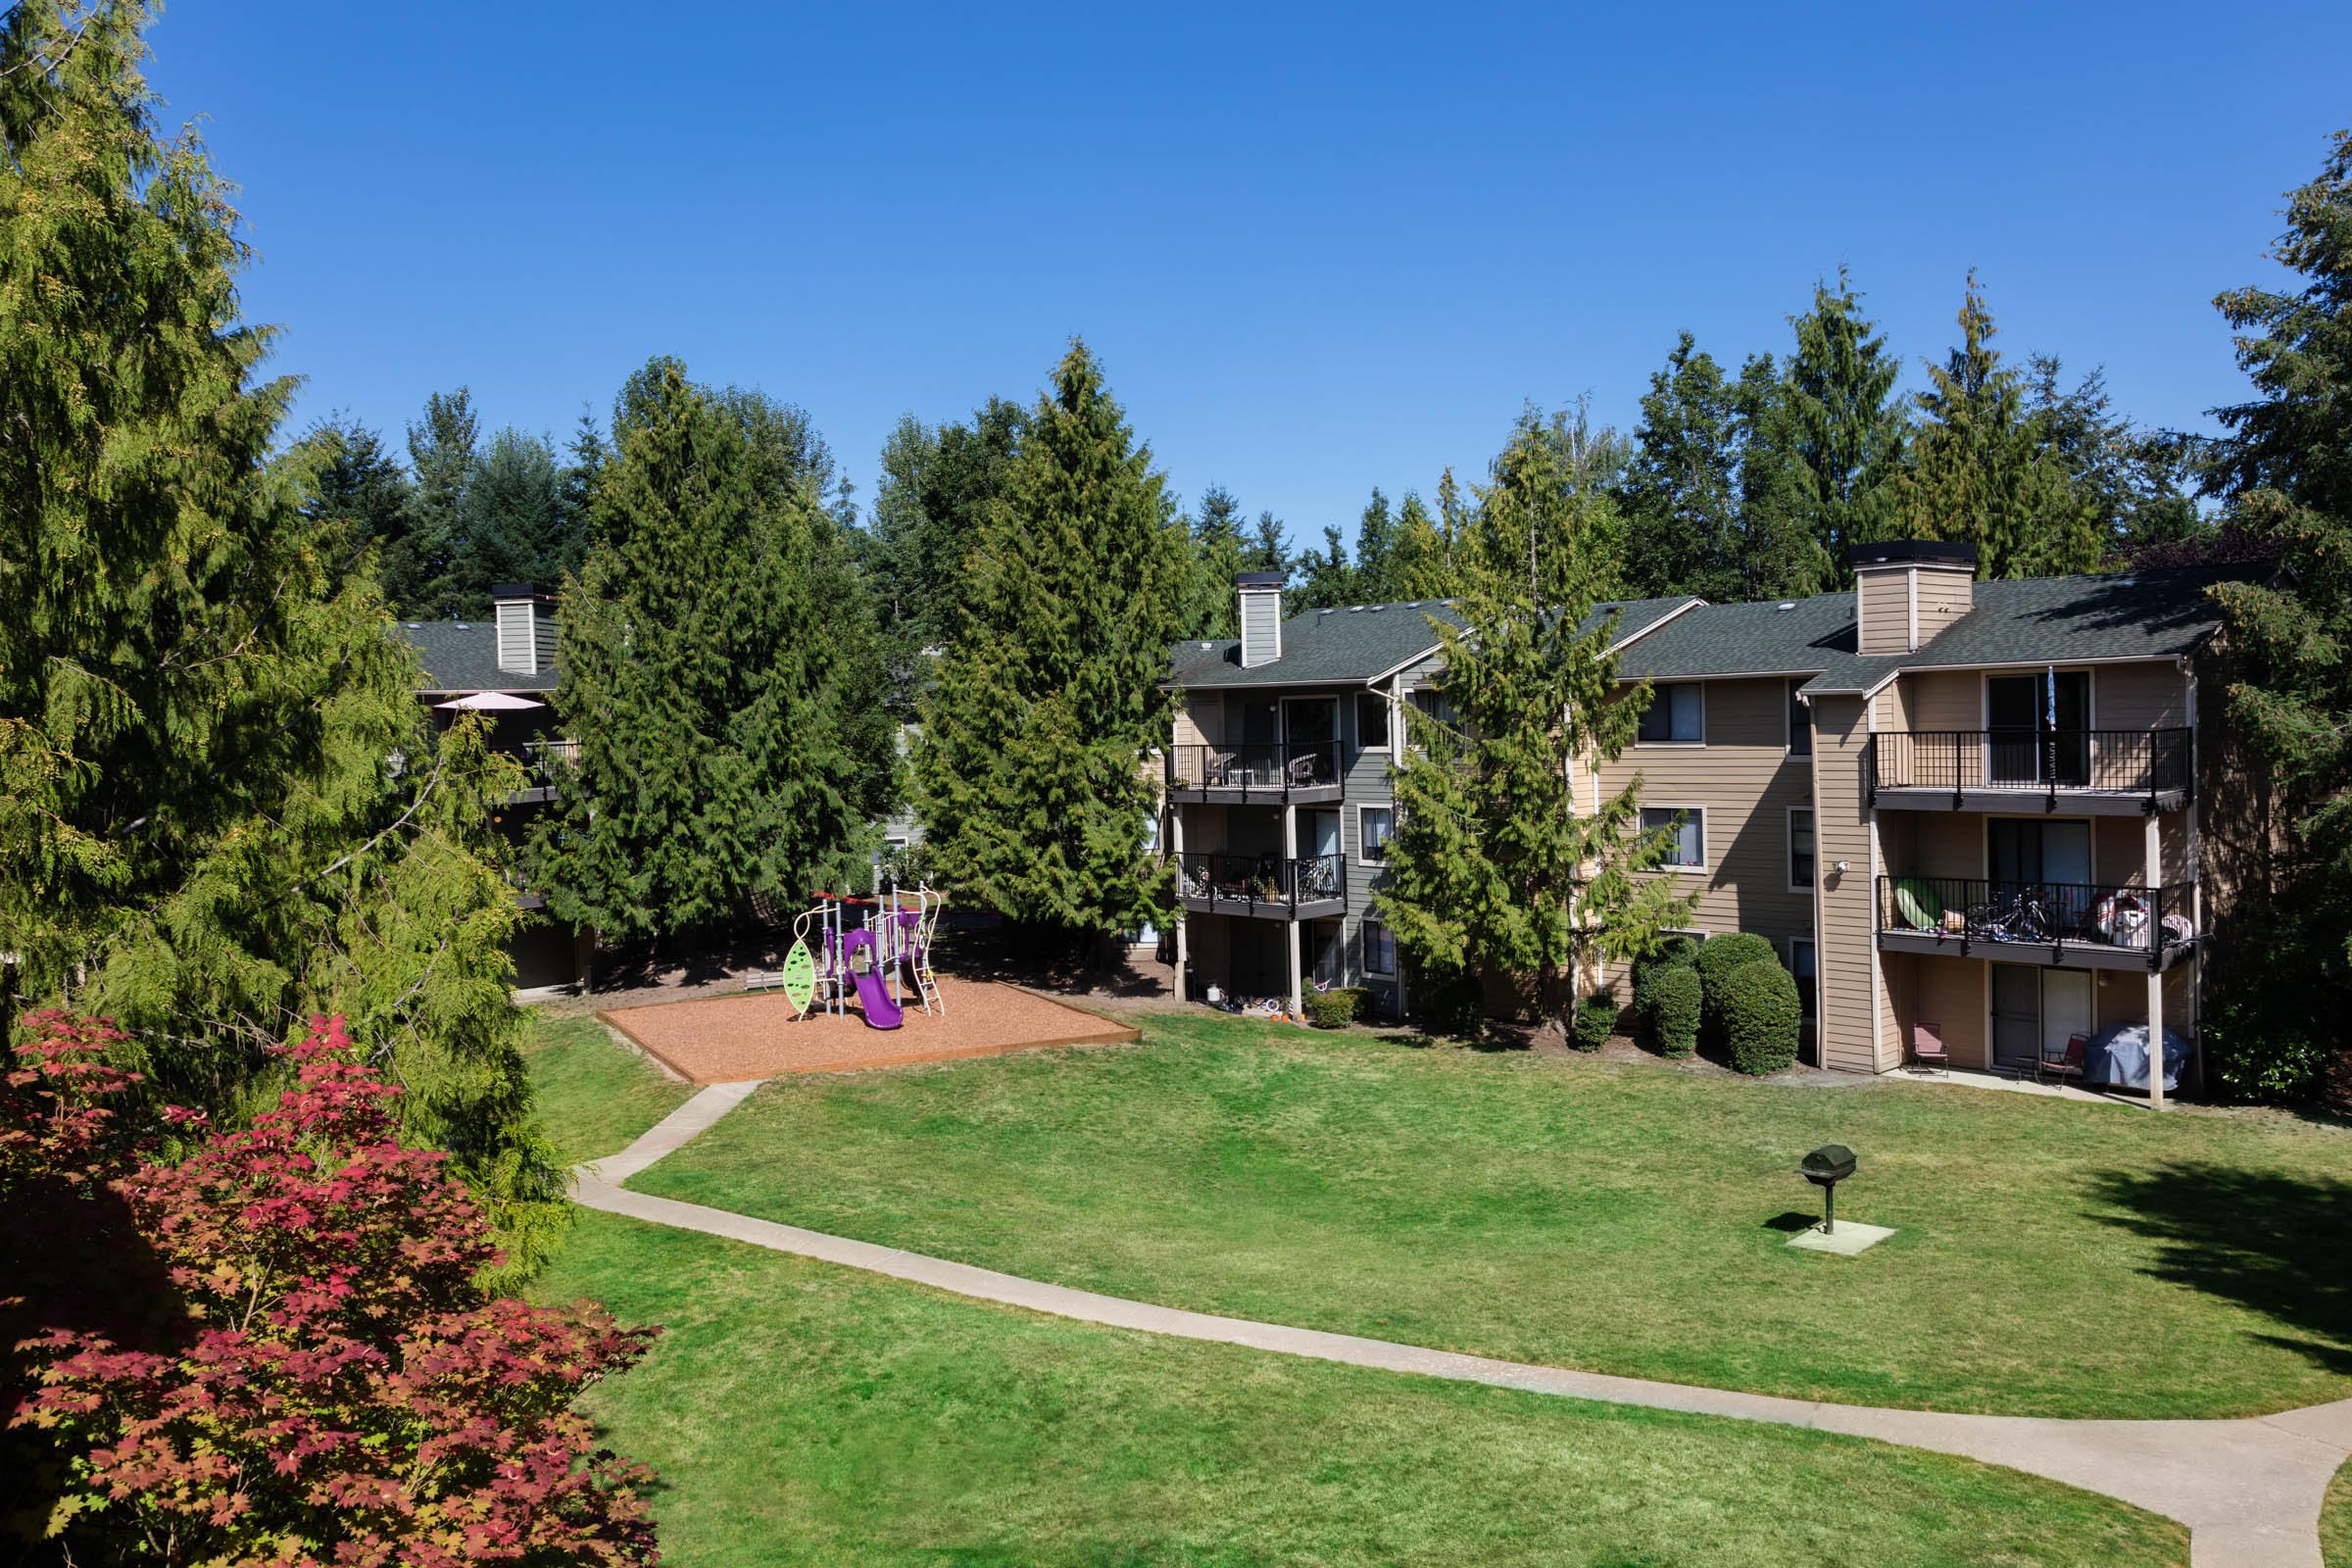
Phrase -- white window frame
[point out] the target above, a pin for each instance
(1382, 701)
(1361, 806)
(1364, 948)
(1697, 815)
(1660, 689)
(1789, 819)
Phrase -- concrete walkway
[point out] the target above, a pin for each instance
(2249, 1491)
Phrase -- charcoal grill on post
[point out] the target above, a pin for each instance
(1825, 1168)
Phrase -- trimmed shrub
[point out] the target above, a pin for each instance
(1675, 995)
(1450, 1004)
(1716, 961)
(1596, 1021)
(1761, 1016)
(1330, 1010)
(1678, 952)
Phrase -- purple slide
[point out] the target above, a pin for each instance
(880, 1011)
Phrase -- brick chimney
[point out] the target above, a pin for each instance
(527, 639)
(1908, 590)
(1261, 617)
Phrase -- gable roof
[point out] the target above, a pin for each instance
(462, 656)
(1361, 642)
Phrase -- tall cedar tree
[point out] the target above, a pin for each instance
(705, 650)
(1980, 473)
(1214, 609)
(1681, 495)
(220, 808)
(1849, 428)
(2286, 470)
(1031, 772)
(421, 566)
(1496, 869)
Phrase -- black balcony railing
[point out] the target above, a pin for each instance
(2117, 761)
(1972, 912)
(1255, 884)
(1270, 773)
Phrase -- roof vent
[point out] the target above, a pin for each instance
(1325, 610)
(1785, 603)
(1377, 609)
(415, 625)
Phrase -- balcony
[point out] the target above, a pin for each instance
(542, 761)
(2095, 771)
(1263, 887)
(1253, 775)
(2081, 925)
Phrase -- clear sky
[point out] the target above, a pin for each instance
(1316, 250)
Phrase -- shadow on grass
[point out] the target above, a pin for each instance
(1790, 1222)
(2279, 1245)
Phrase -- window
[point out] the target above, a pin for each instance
(1373, 825)
(1690, 848)
(1371, 721)
(1672, 714)
(1805, 966)
(1800, 848)
(1379, 949)
(1323, 941)
(1800, 724)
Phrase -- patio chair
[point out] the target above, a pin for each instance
(1928, 1047)
(2064, 1063)
(1218, 769)
(1303, 771)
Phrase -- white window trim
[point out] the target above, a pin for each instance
(1361, 806)
(1657, 687)
(1789, 862)
(1357, 718)
(1363, 949)
(1697, 813)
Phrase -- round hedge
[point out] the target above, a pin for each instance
(1716, 961)
(1761, 1016)
(1678, 953)
(1675, 997)
(1329, 1009)
(1596, 1021)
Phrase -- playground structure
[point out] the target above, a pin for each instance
(893, 938)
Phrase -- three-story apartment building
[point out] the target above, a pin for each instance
(1967, 813)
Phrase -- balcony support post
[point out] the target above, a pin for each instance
(1297, 999)
(2155, 878)
(1180, 912)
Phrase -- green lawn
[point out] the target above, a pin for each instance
(800, 1413)
(2053, 1258)
(2335, 1521)
(594, 1097)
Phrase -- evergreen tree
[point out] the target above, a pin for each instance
(221, 810)
(1376, 552)
(1982, 472)
(1496, 868)
(2286, 469)
(1266, 549)
(420, 570)
(1681, 495)
(1420, 562)
(514, 523)
(582, 477)
(356, 485)
(1030, 774)
(1325, 578)
(1849, 428)
(704, 650)
(1779, 555)
(938, 484)
(1214, 607)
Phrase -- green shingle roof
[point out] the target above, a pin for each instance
(1358, 644)
(462, 656)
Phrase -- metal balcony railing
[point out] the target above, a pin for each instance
(1254, 884)
(1970, 912)
(2116, 761)
(1269, 772)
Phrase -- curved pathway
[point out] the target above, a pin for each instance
(2250, 1491)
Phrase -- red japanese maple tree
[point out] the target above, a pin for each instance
(343, 1392)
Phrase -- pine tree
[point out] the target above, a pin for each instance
(221, 810)
(1849, 426)
(514, 523)
(1496, 868)
(1980, 472)
(1266, 549)
(938, 484)
(1214, 609)
(356, 485)
(1779, 555)
(1376, 552)
(1325, 578)
(1030, 774)
(1680, 491)
(420, 570)
(703, 650)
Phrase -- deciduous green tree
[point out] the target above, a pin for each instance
(1030, 774)
(221, 811)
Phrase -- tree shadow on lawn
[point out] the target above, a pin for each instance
(2281, 1245)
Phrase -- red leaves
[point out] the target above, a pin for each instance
(348, 1396)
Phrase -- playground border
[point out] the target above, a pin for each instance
(1106, 1032)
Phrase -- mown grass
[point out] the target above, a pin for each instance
(800, 1413)
(2335, 1521)
(2052, 1258)
(593, 1096)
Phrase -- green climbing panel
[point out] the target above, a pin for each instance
(799, 976)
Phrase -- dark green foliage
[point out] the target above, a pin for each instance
(1497, 868)
(420, 566)
(1676, 1002)
(1030, 772)
(718, 671)
(1717, 957)
(356, 486)
(1674, 952)
(2266, 1047)
(1681, 493)
(1849, 429)
(1451, 1004)
(1213, 607)
(1329, 1009)
(221, 810)
(938, 485)
(1762, 1017)
(514, 522)
(1596, 1021)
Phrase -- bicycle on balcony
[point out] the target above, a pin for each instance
(2018, 916)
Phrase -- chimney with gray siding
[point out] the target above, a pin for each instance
(527, 639)
(1261, 617)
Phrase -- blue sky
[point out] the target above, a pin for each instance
(1317, 250)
